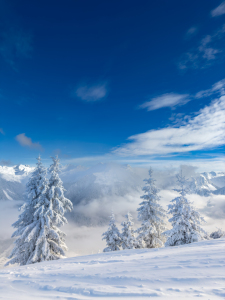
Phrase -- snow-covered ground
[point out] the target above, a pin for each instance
(184, 272)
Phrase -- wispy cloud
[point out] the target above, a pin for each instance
(219, 10)
(2, 131)
(173, 100)
(191, 31)
(25, 141)
(4, 162)
(206, 53)
(15, 44)
(217, 88)
(206, 130)
(91, 93)
(166, 100)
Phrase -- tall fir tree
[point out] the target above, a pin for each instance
(28, 224)
(152, 216)
(185, 219)
(39, 236)
(56, 207)
(128, 236)
(112, 236)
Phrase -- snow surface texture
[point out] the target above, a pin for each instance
(184, 272)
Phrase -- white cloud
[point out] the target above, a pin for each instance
(191, 31)
(218, 87)
(2, 131)
(205, 131)
(91, 93)
(173, 100)
(207, 52)
(219, 10)
(166, 100)
(25, 141)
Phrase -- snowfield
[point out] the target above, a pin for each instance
(184, 272)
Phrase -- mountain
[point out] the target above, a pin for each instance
(12, 181)
(184, 272)
(208, 183)
(220, 191)
(104, 179)
(96, 185)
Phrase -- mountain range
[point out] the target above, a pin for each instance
(85, 184)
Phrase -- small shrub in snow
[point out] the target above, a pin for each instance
(217, 234)
(152, 216)
(112, 236)
(128, 237)
(185, 221)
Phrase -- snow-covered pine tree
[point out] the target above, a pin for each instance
(186, 220)
(128, 236)
(152, 216)
(40, 238)
(54, 246)
(28, 224)
(112, 236)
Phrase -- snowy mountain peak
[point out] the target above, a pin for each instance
(207, 183)
(22, 169)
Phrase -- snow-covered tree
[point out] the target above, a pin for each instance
(185, 219)
(128, 236)
(27, 223)
(59, 203)
(55, 208)
(152, 216)
(112, 236)
(39, 237)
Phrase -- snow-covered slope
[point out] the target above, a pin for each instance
(184, 272)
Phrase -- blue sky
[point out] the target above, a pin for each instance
(112, 80)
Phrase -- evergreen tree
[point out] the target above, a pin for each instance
(186, 220)
(112, 236)
(56, 206)
(39, 236)
(152, 216)
(128, 237)
(27, 224)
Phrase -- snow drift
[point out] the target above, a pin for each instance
(184, 272)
